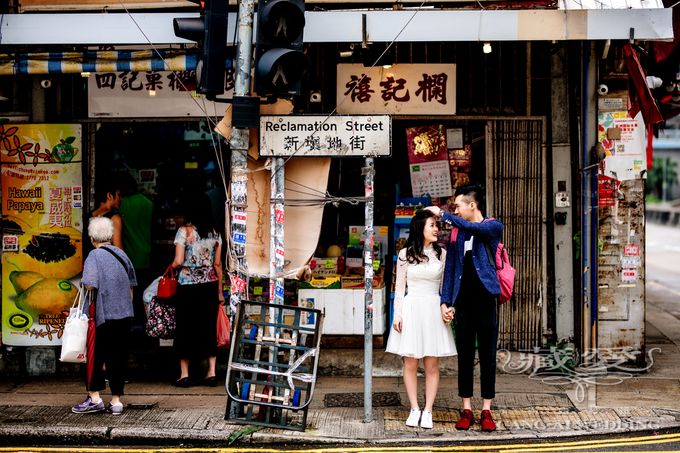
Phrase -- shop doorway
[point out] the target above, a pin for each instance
(171, 161)
(516, 188)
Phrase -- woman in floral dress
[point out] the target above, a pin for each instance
(199, 293)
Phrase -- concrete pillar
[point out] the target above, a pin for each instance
(561, 196)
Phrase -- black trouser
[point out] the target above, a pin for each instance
(143, 280)
(111, 349)
(476, 318)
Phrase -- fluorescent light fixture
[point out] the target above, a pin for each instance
(84, 74)
(486, 48)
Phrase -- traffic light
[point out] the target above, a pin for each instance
(210, 32)
(280, 61)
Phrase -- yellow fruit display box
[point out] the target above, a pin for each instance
(328, 282)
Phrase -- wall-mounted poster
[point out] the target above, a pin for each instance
(428, 159)
(426, 143)
(608, 190)
(42, 217)
(623, 141)
(460, 162)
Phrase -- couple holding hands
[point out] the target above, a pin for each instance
(435, 287)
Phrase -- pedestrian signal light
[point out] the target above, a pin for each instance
(280, 62)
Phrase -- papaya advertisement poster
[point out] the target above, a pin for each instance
(42, 218)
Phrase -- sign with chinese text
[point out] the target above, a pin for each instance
(151, 94)
(631, 250)
(421, 89)
(608, 190)
(321, 135)
(42, 217)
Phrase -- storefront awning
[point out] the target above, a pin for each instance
(96, 61)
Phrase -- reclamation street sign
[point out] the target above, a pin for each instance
(320, 135)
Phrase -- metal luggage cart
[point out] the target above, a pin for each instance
(272, 365)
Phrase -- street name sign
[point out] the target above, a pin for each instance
(322, 135)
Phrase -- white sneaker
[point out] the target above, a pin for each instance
(426, 420)
(413, 418)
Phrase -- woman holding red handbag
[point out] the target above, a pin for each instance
(198, 249)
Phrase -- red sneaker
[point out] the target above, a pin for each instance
(466, 420)
(488, 425)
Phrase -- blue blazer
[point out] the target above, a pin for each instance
(486, 232)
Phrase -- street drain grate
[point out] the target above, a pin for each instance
(380, 399)
(141, 405)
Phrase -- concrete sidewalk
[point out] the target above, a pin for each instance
(37, 411)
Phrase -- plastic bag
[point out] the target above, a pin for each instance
(74, 338)
(151, 291)
(223, 328)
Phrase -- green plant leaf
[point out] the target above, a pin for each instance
(241, 432)
(69, 140)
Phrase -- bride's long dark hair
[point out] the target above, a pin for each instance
(415, 241)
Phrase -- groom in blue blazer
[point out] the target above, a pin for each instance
(470, 295)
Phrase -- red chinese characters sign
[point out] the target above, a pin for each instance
(402, 89)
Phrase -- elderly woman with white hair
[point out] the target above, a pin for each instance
(109, 273)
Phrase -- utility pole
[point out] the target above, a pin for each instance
(369, 174)
(239, 151)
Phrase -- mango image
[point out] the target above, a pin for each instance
(22, 280)
(49, 296)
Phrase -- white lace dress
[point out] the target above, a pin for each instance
(416, 300)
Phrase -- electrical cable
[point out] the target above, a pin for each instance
(364, 76)
(155, 49)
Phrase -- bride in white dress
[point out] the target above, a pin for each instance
(418, 329)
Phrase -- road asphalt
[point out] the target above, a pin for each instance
(531, 403)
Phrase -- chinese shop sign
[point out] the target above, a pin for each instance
(402, 89)
(152, 94)
(321, 135)
(42, 216)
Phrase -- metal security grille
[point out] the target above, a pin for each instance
(515, 188)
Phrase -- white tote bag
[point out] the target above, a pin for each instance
(74, 338)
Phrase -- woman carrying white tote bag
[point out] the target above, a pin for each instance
(74, 338)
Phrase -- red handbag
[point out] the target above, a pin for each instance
(167, 285)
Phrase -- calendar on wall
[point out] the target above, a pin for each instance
(431, 178)
(428, 161)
